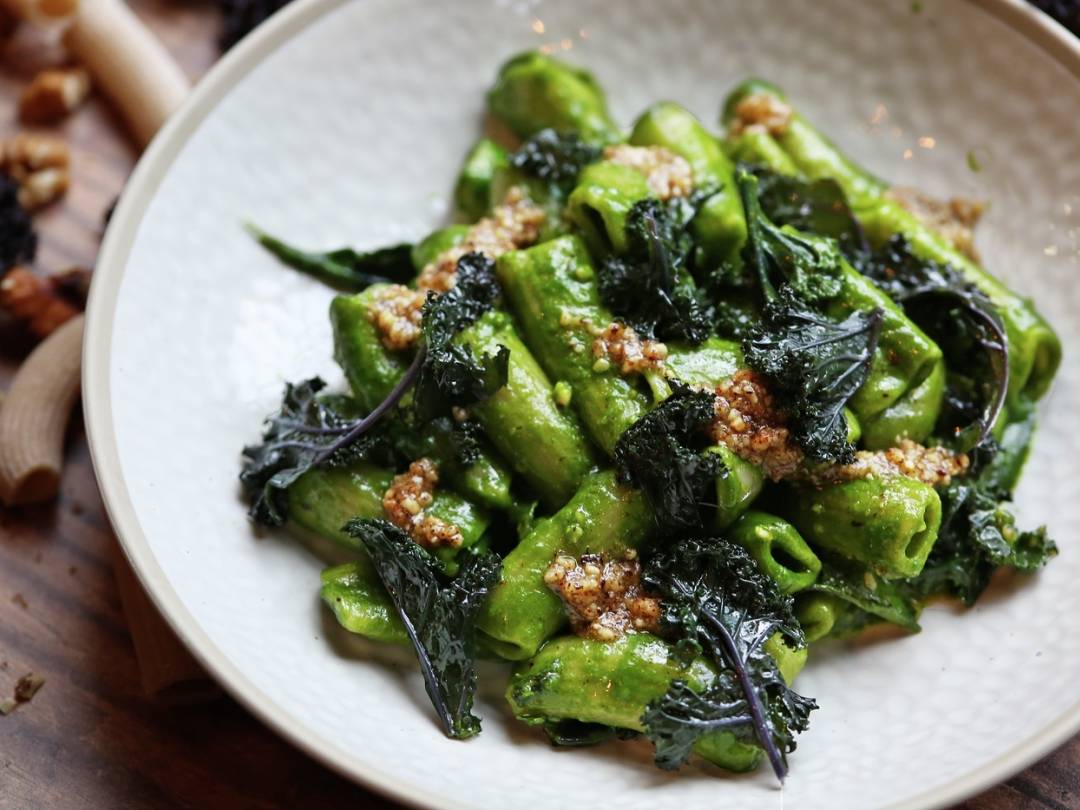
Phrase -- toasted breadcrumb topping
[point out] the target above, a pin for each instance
(618, 344)
(954, 219)
(749, 423)
(761, 112)
(935, 466)
(604, 599)
(410, 493)
(667, 174)
(513, 224)
(396, 311)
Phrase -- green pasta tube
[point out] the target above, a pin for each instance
(551, 289)
(472, 191)
(322, 501)
(371, 369)
(890, 524)
(1034, 348)
(779, 549)
(707, 364)
(543, 442)
(600, 204)
(720, 225)
(522, 612)
(905, 358)
(736, 488)
(535, 92)
(814, 154)
(818, 614)
(430, 247)
(757, 147)
(612, 683)
(360, 603)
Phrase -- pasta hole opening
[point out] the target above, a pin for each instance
(919, 543)
(785, 559)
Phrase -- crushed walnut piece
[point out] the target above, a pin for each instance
(954, 219)
(513, 224)
(667, 174)
(749, 423)
(39, 164)
(935, 466)
(618, 344)
(410, 493)
(761, 112)
(396, 312)
(53, 94)
(605, 599)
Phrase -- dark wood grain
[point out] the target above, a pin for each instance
(90, 739)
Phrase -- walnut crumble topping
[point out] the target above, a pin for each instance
(513, 224)
(396, 311)
(605, 599)
(667, 174)
(410, 493)
(954, 219)
(749, 424)
(761, 112)
(618, 344)
(935, 466)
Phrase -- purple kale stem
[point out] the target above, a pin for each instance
(753, 700)
(391, 400)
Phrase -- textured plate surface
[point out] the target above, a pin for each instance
(344, 124)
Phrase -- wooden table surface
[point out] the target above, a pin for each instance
(90, 739)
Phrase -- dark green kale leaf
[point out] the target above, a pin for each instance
(661, 454)
(309, 430)
(18, 241)
(814, 366)
(555, 158)
(814, 206)
(978, 531)
(450, 374)
(345, 268)
(649, 287)
(960, 319)
(809, 265)
(716, 602)
(438, 615)
(576, 734)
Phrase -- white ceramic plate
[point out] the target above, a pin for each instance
(344, 123)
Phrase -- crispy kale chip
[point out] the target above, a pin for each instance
(718, 603)
(312, 429)
(555, 158)
(649, 287)
(661, 454)
(450, 374)
(962, 320)
(814, 366)
(978, 532)
(345, 268)
(438, 615)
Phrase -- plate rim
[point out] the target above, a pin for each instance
(1053, 38)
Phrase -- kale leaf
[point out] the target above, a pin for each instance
(554, 158)
(809, 265)
(814, 206)
(450, 374)
(18, 240)
(661, 454)
(717, 602)
(814, 366)
(978, 531)
(345, 268)
(437, 613)
(649, 287)
(962, 320)
(308, 430)
(860, 588)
